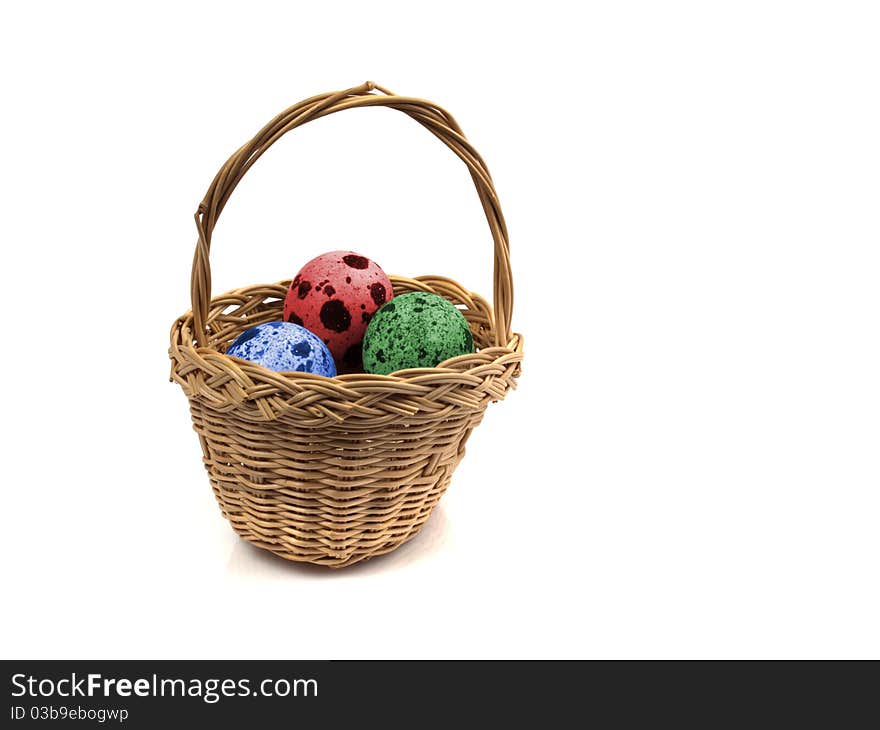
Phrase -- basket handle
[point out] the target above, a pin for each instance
(437, 121)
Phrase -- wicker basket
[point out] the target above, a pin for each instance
(336, 470)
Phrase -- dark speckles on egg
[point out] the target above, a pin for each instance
(302, 349)
(335, 316)
(377, 292)
(356, 261)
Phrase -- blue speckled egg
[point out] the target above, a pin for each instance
(284, 346)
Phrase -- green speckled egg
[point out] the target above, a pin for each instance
(415, 330)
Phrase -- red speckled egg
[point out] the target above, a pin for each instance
(335, 295)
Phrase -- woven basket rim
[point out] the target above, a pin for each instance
(461, 364)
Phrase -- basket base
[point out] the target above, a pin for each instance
(406, 527)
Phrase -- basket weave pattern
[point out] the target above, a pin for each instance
(336, 470)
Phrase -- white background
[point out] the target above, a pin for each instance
(690, 465)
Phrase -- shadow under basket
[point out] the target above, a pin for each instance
(336, 470)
